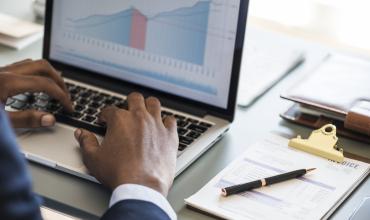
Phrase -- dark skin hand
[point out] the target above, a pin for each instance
(33, 76)
(139, 147)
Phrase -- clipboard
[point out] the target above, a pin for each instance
(323, 142)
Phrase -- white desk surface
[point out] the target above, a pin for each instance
(250, 125)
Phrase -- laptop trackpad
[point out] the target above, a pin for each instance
(56, 144)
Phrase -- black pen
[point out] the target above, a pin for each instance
(264, 182)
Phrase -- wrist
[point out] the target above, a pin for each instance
(150, 182)
(158, 185)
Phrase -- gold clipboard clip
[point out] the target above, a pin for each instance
(322, 142)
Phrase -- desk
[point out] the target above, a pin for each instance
(248, 128)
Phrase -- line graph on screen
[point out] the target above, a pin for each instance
(180, 34)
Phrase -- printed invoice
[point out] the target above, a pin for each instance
(314, 196)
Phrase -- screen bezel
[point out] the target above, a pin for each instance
(87, 75)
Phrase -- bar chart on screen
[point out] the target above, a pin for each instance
(168, 41)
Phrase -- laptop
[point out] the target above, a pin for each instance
(186, 53)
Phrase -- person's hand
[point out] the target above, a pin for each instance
(138, 148)
(32, 76)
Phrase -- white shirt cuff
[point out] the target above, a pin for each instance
(143, 193)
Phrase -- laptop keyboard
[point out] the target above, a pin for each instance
(88, 103)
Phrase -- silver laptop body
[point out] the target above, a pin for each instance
(186, 53)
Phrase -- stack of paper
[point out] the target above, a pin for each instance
(314, 196)
(17, 33)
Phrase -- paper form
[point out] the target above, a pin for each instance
(312, 196)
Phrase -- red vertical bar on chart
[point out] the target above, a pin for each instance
(138, 30)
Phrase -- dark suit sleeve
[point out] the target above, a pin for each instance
(135, 210)
(16, 198)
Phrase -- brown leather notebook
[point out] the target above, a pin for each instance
(337, 92)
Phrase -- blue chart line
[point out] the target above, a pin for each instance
(158, 76)
(179, 34)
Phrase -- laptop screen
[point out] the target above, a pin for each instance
(181, 47)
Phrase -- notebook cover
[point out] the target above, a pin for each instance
(340, 85)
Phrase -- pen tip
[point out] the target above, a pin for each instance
(311, 169)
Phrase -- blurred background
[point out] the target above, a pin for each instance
(340, 23)
(343, 24)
